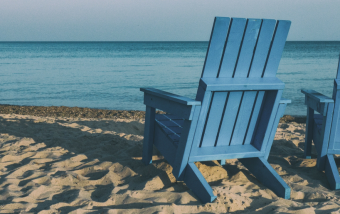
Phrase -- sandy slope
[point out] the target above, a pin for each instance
(70, 165)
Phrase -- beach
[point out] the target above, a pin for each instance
(80, 160)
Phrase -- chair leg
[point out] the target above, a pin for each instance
(148, 135)
(321, 162)
(309, 133)
(197, 183)
(262, 170)
(221, 162)
(332, 172)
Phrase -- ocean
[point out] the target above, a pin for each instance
(108, 75)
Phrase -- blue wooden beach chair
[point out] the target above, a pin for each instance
(237, 108)
(323, 128)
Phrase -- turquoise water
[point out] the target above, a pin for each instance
(108, 75)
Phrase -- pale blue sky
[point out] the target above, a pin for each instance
(157, 20)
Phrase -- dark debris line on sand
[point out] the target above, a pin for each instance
(76, 112)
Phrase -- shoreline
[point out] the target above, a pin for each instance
(81, 112)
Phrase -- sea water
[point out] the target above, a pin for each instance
(108, 75)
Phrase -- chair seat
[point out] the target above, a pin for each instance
(318, 118)
(171, 125)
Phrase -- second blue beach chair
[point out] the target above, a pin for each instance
(323, 128)
(237, 108)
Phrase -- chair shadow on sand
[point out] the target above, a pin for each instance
(100, 154)
(86, 162)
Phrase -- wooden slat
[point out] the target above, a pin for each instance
(318, 97)
(278, 44)
(332, 173)
(254, 117)
(171, 123)
(326, 128)
(169, 96)
(202, 118)
(174, 138)
(317, 139)
(278, 115)
(172, 130)
(241, 84)
(263, 172)
(270, 108)
(232, 47)
(164, 145)
(262, 48)
(334, 141)
(216, 46)
(243, 118)
(148, 135)
(247, 49)
(214, 119)
(224, 152)
(197, 183)
(200, 93)
(183, 111)
(309, 133)
(336, 88)
(161, 117)
(318, 120)
(185, 144)
(264, 117)
(229, 118)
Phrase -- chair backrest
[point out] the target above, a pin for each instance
(238, 87)
(241, 47)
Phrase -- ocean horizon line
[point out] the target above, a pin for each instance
(144, 41)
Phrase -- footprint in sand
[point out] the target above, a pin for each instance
(102, 192)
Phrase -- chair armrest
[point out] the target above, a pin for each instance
(317, 101)
(285, 101)
(171, 103)
(170, 96)
(320, 98)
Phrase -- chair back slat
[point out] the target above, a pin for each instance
(215, 116)
(232, 47)
(277, 46)
(262, 48)
(247, 49)
(252, 123)
(229, 118)
(243, 118)
(216, 46)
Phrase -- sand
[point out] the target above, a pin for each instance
(93, 165)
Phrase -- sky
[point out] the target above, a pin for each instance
(158, 20)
